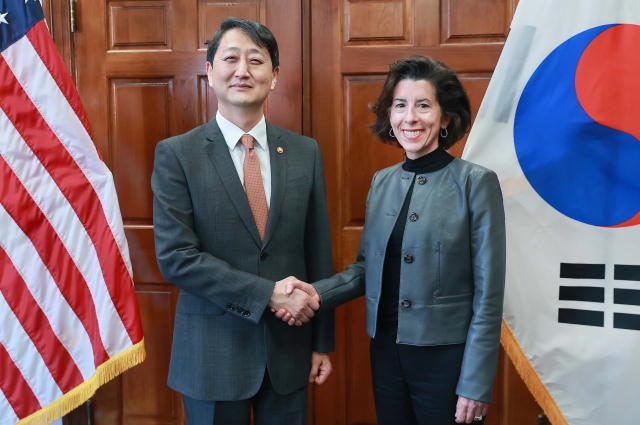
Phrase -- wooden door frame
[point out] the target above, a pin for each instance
(57, 16)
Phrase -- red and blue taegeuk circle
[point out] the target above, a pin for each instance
(577, 127)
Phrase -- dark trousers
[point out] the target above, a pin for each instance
(414, 385)
(269, 408)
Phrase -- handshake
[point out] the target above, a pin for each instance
(294, 301)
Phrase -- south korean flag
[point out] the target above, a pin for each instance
(560, 125)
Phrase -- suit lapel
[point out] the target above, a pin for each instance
(218, 152)
(278, 178)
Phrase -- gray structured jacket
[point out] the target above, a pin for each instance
(453, 264)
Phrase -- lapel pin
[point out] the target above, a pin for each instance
(279, 149)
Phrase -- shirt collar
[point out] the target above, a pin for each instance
(232, 133)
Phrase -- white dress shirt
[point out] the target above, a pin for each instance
(232, 134)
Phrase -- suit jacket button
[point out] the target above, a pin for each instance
(263, 255)
(422, 179)
(229, 306)
(408, 258)
(406, 303)
(413, 217)
(246, 313)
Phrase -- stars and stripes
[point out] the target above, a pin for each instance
(69, 318)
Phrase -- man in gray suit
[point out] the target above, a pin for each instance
(239, 205)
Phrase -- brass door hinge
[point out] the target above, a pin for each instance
(72, 16)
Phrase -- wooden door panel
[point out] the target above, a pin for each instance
(141, 250)
(106, 405)
(133, 139)
(207, 101)
(284, 105)
(211, 14)
(146, 399)
(125, 31)
(363, 154)
(140, 395)
(472, 21)
(461, 57)
(375, 22)
(140, 113)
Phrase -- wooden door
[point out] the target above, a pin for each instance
(139, 66)
(352, 43)
(140, 71)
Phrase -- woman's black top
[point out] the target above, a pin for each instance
(390, 294)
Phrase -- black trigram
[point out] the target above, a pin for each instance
(595, 294)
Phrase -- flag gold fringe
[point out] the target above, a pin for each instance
(530, 377)
(74, 398)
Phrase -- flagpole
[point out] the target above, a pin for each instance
(530, 377)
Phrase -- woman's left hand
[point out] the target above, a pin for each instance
(467, 409)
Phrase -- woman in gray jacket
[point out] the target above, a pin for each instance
(431, 261)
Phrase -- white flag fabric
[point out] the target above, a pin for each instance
(69, 319)
(560, 125)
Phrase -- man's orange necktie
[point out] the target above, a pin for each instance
(253, 185)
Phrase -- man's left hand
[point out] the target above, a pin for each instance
(320, 367)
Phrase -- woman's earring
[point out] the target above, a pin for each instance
(446, 133)
(391, 133)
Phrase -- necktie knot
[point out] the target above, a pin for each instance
(247, 141)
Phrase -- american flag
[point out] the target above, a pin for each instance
(69, 318)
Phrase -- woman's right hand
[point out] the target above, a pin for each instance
(291, 286)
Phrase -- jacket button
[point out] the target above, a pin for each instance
(422, 179)
(246, 313)
(263, 255)
(406, 303)
(413, 217)
(408, 258)
(229, 306)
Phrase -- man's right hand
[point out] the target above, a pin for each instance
(293, 286)
(300, 305)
